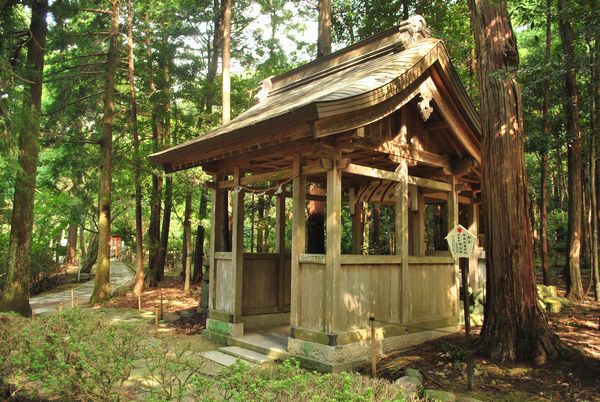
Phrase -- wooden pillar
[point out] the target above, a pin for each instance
(333, 244)
(280, 247)
(415, 221)
(452, 214)
(237, 243)
(298, 237)
(216, 228)
(473, 211)
(401, 209)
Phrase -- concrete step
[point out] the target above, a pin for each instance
(245, 354)
(274, 346)
(219, 357)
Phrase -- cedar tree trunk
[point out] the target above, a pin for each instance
(102, 278)
(515, 328)
(15, 294)
(574, 286)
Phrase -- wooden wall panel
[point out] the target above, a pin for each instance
(225, 291)
(260, 294)
(368, 288)
(311, 289)
(432, 291)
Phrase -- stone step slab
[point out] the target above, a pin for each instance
(220, 358)
(245, 354)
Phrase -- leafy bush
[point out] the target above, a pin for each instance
(76, 355)
(170, 368)
(288, 382)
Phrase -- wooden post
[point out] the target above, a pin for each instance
(280, 248)
(452, 211)
(139, 301)
(333, 244)
(401, 219)
(216, 230)
(156, 313)
(161, 305)
(60, 307)
(464, 270)
(72, 297)
(298, 237)
(473, 210)
(237, 243)
(373, 346)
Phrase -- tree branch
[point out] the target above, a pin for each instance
(74, 102)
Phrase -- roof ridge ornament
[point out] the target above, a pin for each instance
(263, 89)
(417, 30)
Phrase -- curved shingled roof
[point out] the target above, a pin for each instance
(355, 78)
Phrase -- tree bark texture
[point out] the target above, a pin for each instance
(102, 278)
(137, 169)
(324, 39)
(213, 61)
(15, 294)
(544, 159)
(574, 285)
(164, 233)
(187, 242)
(594, 116)
(226, 54)
(515, 328)
(71, 251)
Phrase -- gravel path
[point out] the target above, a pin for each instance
(120, 275)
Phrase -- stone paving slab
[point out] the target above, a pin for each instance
(120, 275)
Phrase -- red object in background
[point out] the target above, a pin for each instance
(117, 240)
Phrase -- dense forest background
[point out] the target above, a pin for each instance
(174, 94)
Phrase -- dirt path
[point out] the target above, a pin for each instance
(120, 275)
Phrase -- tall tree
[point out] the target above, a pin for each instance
(573, 274)
(544, 156)
(137, 170)
(226, 58)
(102, 278)
(324, 38)
(515, 328)
(15, 294)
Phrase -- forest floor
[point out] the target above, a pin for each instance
(441, 362)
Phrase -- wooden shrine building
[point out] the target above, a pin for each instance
(384, 122)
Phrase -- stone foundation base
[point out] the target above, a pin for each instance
(337, 358)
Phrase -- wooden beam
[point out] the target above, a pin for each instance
(370, 172)
(298, 238)
(427, 183)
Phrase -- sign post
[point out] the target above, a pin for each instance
(461, 242)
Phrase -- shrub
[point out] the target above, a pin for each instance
(170, 368)
(76, 355)
(288, 382)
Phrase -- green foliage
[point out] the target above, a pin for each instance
(170, 368)
(76, 355)
(456, 352)
(288, 382)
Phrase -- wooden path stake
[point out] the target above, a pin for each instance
(140, 301)
(156, 314)
(464, 273)
(161, 305)
(373, 346)
(72, 297)
(60, 305)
